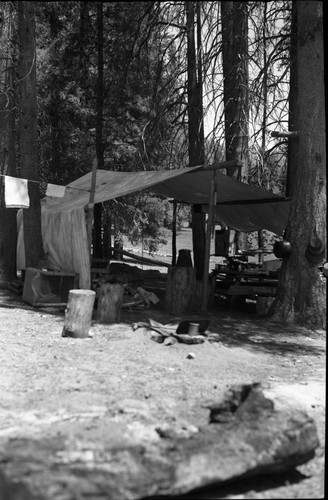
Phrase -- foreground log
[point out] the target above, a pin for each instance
(78, 313)
(245, 437)
(180, 288)
(110, 300)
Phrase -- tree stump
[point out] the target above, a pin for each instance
(180, 289)
(110, 300)
(198, 293)
(78, 313)
(263, 305)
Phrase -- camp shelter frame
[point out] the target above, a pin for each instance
(64, 225)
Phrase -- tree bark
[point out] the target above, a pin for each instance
(8, 221)
(301, 292)
(28, 136)
(8, 242)
(97, 227)
(195, 130)
(235, 73)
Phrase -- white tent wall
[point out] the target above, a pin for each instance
(65, 243)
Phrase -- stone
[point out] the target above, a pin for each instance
(157, 337)
(170, 341)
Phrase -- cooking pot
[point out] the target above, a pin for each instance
(325, 269)
(282, 249)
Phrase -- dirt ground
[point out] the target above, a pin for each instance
(46, 378)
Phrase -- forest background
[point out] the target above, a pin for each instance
(161, 85)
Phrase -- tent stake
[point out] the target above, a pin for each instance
(208, 246)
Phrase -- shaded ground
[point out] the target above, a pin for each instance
(120, 372)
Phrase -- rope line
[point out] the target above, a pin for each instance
(44, 182)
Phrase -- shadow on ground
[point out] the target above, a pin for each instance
(238, 488)
(237, 327)
(262, 335)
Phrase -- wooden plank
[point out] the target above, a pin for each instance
(50, 304)
(264, 291)
(95, 270)
(142, 259)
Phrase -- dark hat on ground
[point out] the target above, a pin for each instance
(315, 251)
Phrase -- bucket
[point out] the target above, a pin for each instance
(184, 258)
(193, 329)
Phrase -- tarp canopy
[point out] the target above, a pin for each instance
(239, 205)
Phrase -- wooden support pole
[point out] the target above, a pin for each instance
(78, 313)
(208, 246)
(174, 233)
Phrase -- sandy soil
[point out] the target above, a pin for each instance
(46, 378)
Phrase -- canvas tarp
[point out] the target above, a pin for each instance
(64, 237)
(189, 185)
(239, 206)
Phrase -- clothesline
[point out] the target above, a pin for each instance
(16, 191)
(43, 182)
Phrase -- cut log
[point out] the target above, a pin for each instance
(246, 437)
(78, 313)
(180, 289)
(110, 300)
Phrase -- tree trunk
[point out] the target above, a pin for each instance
(97, 227)
(8, 242)
(292, 153)
(235, 73)
(55, 101)
(28, 136)
(195, 131)
(107, 234)
(301, 292)
(8, 221)
(97, 248)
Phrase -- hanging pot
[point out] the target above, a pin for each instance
(325, 269)
(282, 249)
(315, 251)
